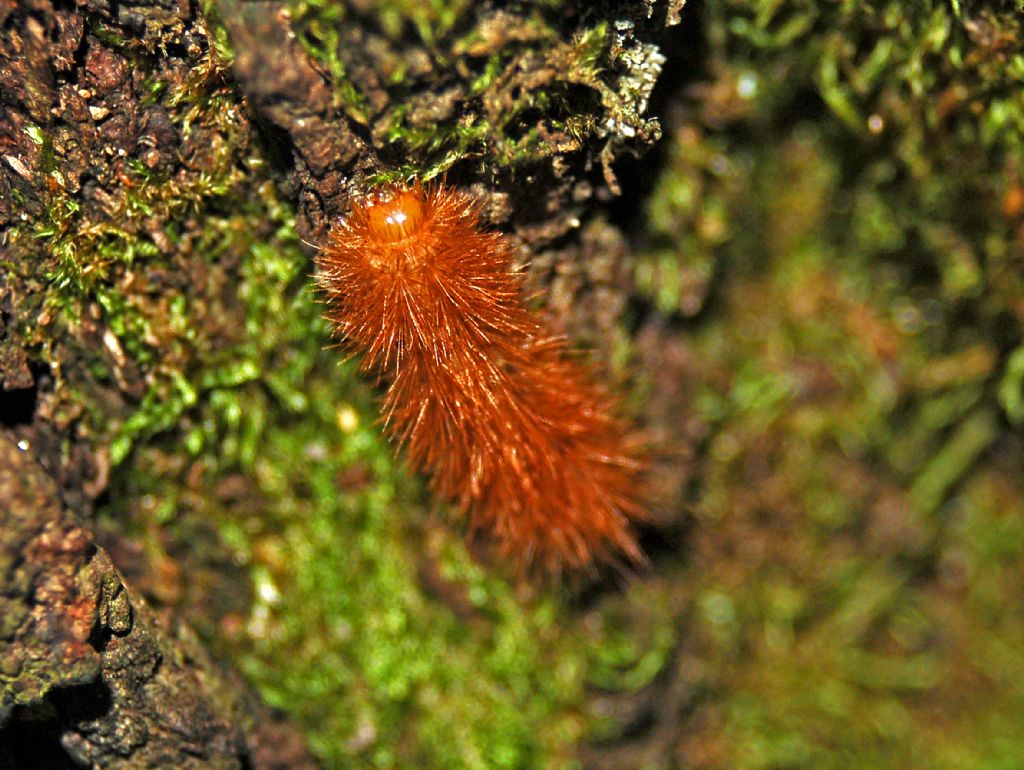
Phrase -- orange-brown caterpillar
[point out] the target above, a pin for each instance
(482, 397)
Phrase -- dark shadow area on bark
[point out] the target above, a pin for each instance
(31, 740)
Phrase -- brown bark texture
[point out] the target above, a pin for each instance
(89, 674)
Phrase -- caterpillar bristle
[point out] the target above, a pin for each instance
(508, 425)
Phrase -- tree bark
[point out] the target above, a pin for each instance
(91, 675)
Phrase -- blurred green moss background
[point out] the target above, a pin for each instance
(839, 231)
(829, 268)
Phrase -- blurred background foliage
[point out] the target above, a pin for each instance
(829, 263)
(838, 231)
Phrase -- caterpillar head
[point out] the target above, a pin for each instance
(395, 214)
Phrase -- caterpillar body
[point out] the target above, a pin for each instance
(483, 398)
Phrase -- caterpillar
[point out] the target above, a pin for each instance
(484, 399)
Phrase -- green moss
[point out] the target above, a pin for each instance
(339, 632)
(835, 228)
(342, 635)
(452, 84)
(93, 268)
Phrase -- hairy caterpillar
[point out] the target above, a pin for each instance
(485, 400)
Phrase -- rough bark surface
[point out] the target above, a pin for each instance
(90, 674)
(292, 97)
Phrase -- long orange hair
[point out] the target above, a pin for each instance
(482, 397)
